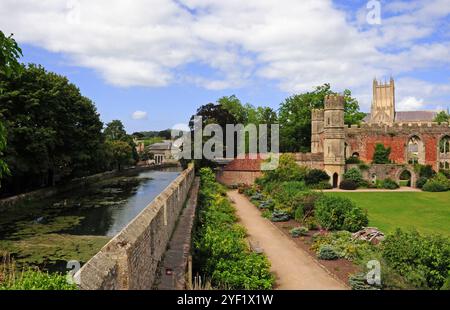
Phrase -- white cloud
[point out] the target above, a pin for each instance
(410, 104)
(139, 115)
(298, 44)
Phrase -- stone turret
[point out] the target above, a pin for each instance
(334, 138)
(316, 131)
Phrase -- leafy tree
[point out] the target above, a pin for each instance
(115, 131)
(381, 154)
(9, 53)
(121, 152)
(213, 114)
(295, 117)
(54, 132)
(3, 166)
(442, 117)
(234, 106)
(287, 170)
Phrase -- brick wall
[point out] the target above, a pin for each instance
(130, 259)
(237, 177)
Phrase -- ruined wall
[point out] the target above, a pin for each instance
(130, 259)
(363, 139)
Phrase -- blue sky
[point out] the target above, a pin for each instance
(159, 60)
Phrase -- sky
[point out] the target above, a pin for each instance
(152, 63)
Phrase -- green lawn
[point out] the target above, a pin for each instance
(427, 212)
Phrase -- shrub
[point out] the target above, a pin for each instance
(390, 184)
(353, 174)
(339, 213)
(298, 215)
(316, 176)
(311, 223)
(345, 246)
(381, 154)
(352, 160)
(421, 182)
(348, 185)
(439, 183)
(33, 279)
(279, 216)
(363, 166)
(287, 170)
(299, 231)
(327, 252)
(446, 285)
(423, 260)
(220, 248)
(266, 205)
(289, 196)
(426, 171)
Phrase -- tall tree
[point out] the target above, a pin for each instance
(117, 138)
(53, 131)
(10, 52)
(295, 117)
(442, 117)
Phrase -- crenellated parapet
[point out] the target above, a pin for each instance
(400, 128)
(317, 115)
(334, 102)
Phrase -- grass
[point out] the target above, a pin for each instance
(429, 213)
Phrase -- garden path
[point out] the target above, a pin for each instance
(293, 267)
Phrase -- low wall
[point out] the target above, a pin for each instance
(130, 260)
(75, 184)
(230, 178)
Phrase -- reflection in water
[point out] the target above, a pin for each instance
(104, 210)
(75, 225)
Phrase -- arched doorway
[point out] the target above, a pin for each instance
(335, 180)
(405, 178)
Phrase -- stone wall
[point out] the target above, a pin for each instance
(362, 140)
(230, 178)
(130, 260)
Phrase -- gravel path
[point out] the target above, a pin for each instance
(293, 267)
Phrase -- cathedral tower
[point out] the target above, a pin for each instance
(383, 103)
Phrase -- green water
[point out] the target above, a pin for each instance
(75, 225)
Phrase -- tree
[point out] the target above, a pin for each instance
(234, 106)
(3, 166)
(381, 154)
(9, 53)
(115, 131)
(54, 132)
(295, 117)
(442, 117)
(121, 152)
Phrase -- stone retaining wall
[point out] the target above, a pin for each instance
(130, 260)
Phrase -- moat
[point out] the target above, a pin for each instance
(75, 225)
